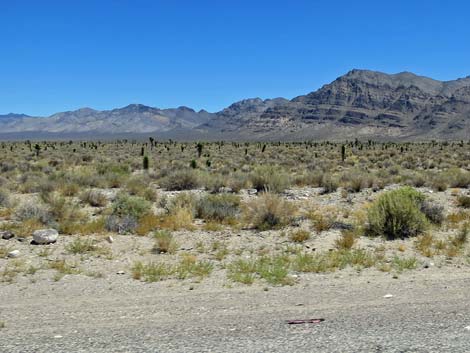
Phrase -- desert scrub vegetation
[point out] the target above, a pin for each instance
(188, 267)
(397, 214)
(222, 207)
(269, 211)
(309, 191)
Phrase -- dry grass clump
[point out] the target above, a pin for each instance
(346, 241)
(164, 242)
(299, 236)
(94, 198)
(269, 211)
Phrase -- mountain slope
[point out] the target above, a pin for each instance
(365, 104)
(362, 104)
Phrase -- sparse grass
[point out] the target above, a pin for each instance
(87, 246)
(164, 242)
(463, 201)
(299, 236)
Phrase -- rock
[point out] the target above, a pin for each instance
(45, 236)
(120, 272)
(109, 239)
(6, 234)
(225, 189)
(388, 296)
(467, 328)
(14, 253)
(252, 191)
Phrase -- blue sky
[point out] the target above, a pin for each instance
(63, 55)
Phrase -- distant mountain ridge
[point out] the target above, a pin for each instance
(362, 104)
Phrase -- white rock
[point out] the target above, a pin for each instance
(14, 253)
(110, 239)
(387, 296)
(120, 272)
(467, 328)
(45, 236)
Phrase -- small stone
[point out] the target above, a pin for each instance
(14, 253)
(45, 236)
(225, 189)
(252, 191)
(6, 234)
(467, 328)
(120, 272)
(388, 296)
(191, 287)
(110, 239)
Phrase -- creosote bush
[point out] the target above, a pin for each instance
(397, 214)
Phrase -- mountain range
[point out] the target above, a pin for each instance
(360, 104)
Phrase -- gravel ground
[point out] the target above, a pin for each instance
(429, 312)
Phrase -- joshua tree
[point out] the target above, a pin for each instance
(146, 163)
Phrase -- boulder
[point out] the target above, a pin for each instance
(45, 236)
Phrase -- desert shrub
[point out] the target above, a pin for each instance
(222, 207)
(126, 211)
(439, 183)
(121, 225)
(270, 179)
(355, 181)
(184, 179)
(269, 211)
(131, 206)
(458, 178)
(329, 184)
(184, 200)
(4, 198)
(179, 218)
(432, 211)
(34, 211)
(463, 201)
(94, 198)
(147, 223)
(396, 214)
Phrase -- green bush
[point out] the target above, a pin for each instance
(396, 214)
(186, 179)
(270, 179)
(130, 206)
(223, 207)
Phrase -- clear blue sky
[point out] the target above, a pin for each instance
(63, 55)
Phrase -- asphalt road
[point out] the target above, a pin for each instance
(427, 313)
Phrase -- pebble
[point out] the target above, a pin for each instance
(120, 272)
(14, 253)
(387, 296)
(467, 328)
(110, 239)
